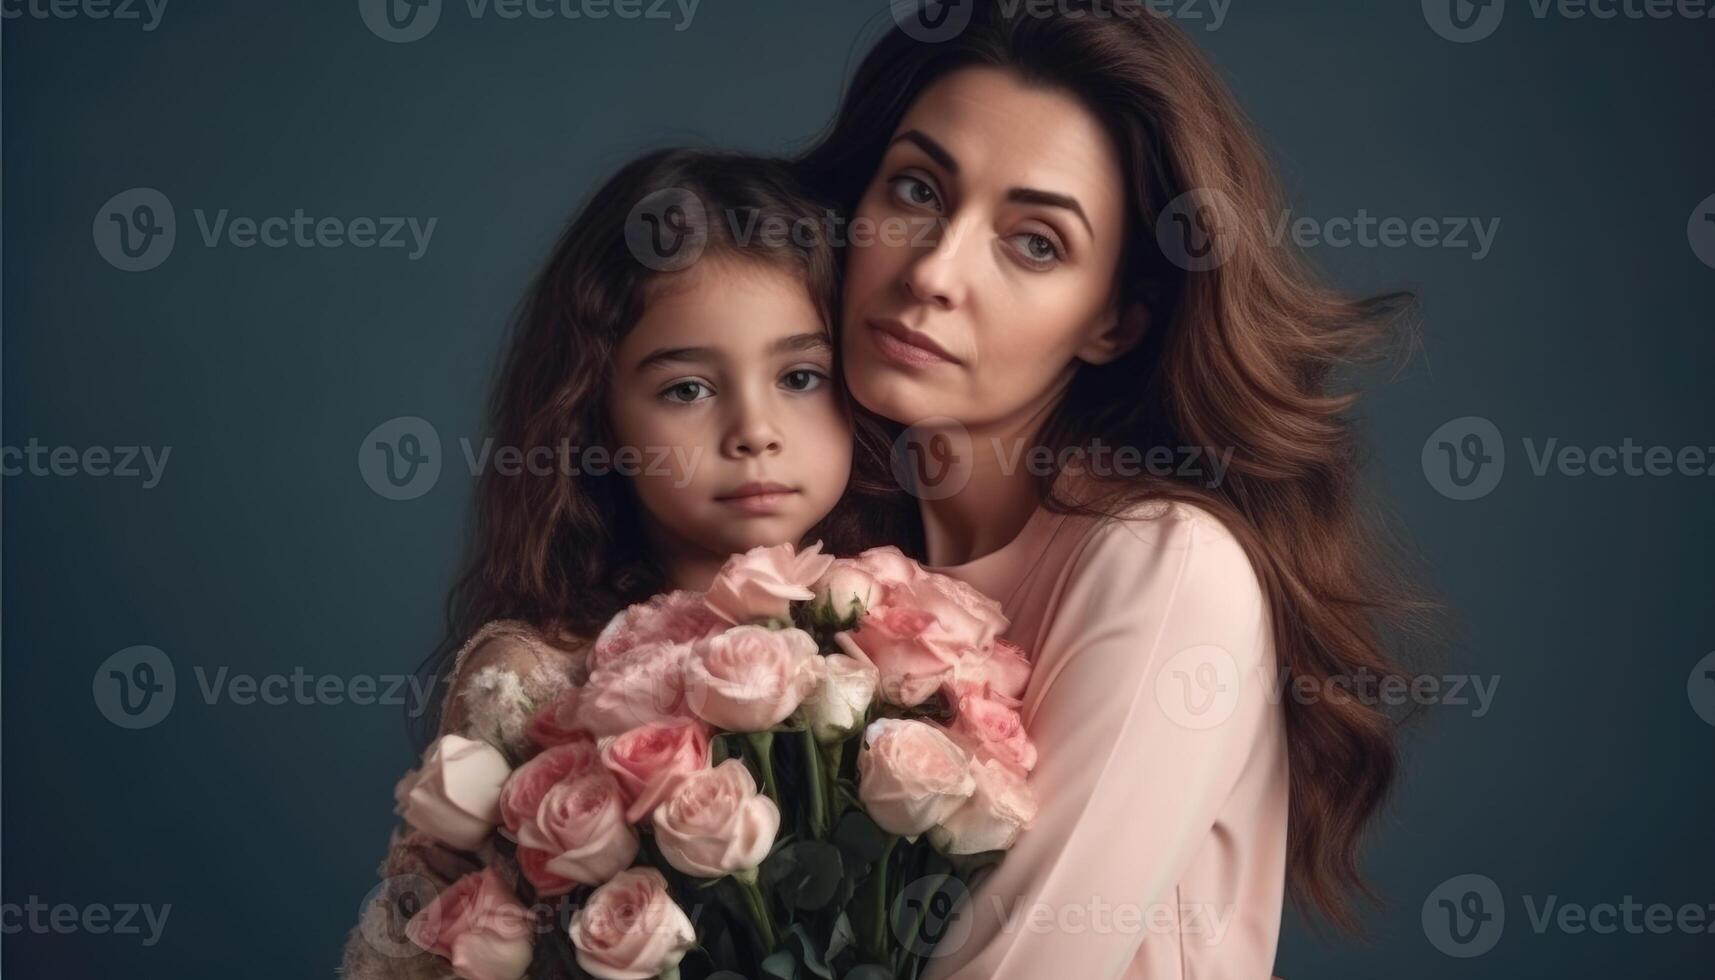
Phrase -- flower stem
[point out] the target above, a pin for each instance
(762, 743)
(758, 907)
(880, 937)
(818, 786)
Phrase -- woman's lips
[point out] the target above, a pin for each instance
(905, 346)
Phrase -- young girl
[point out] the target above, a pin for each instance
(672, 397)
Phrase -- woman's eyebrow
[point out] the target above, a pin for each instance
(1030, 195)
(1023, 195)
(938, 153)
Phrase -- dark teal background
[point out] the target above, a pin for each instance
(263, 550)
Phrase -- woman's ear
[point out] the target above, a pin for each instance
(1118, 337)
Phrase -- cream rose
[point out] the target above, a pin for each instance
(455, 796)
(716, 823)
(1001, 808)
(842, 697)
(750, 678)
(631, 929)
(844, 593)
(911, 776)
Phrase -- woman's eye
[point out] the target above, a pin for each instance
(1038, 249)
(914, 191)
(685, 392)
(803, 379)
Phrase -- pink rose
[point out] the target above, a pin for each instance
(889, 566)
(1001, 808)
(651, 759)
(521, 798)
(716, 823)
(1000, 671)
(750, 678)
(631, 929)
(676, 617)
(921, 630)
(902, 644)
(455, 797)
(479, 926)
(644, 685)
(911, 776)
(581, 823)
(993, 730)
(556, 722)
(763, 582)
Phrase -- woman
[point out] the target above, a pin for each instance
(1139, 451)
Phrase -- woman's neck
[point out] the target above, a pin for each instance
(997, 499)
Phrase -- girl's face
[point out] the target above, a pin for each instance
(724, 394)
(985, 319)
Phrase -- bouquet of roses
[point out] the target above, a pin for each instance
(807, 757)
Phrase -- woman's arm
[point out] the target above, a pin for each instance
(1155, 703)
(499, 677)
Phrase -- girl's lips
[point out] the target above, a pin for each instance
(758, 503)
(894, 342)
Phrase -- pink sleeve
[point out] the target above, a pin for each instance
(1154, 707)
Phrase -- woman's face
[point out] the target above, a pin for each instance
(982, 258)
(724, 392)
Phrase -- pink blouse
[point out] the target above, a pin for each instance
(1159, 850)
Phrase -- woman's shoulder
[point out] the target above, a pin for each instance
(1158, 543)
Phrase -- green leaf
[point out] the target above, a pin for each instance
(781, 965)
(858, 836)
(805, 874)
(808, 954)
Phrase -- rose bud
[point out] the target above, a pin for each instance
(843, 594)
(837, 707)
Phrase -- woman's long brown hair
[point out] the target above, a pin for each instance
(1242, 353)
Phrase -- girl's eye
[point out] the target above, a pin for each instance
(803, 379)
(914, 191)
(685, 392)
(1038, 249)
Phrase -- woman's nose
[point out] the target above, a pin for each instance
(934, 275)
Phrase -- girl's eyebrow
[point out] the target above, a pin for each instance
(816, 342)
